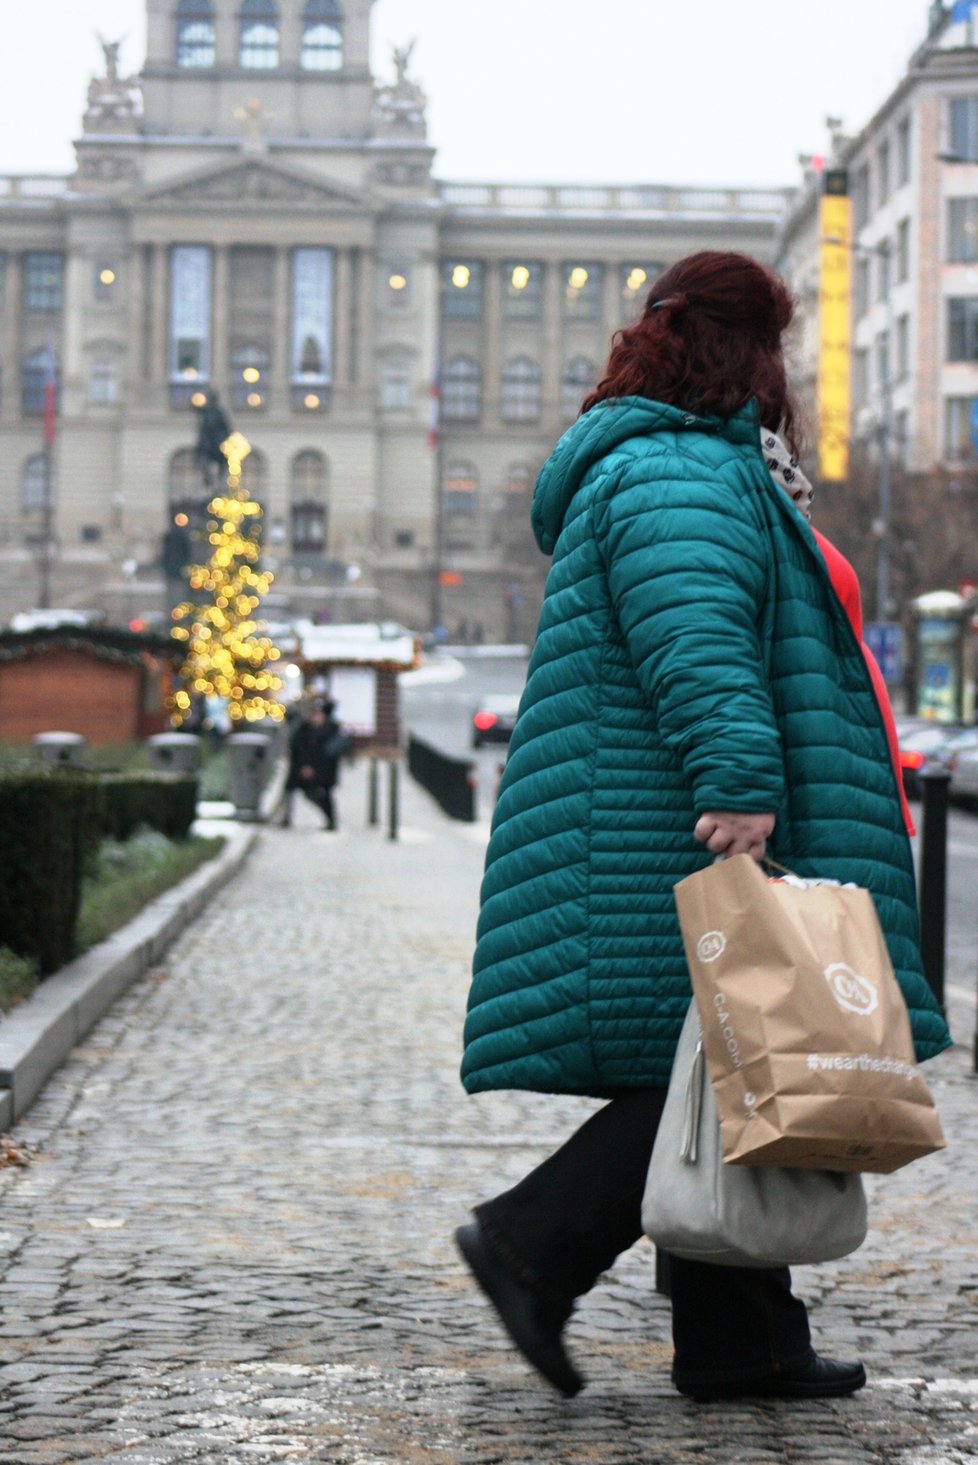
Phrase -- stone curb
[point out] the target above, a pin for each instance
(37, 1036)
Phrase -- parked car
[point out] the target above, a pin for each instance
(962, 764)
(494, 719)
(921, 743)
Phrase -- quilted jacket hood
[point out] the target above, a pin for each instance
(598, 432)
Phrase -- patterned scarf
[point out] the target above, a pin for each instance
(785, 471)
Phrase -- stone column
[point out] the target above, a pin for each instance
(220, 320)
(492, 345)
(158, 335)
(137, 353)
(362, 313)
(343, 307)
(281, 333)
(12, 338)
(551, 362)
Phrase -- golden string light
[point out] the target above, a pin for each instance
(225, 655)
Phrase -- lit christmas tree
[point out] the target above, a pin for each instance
(226, 657)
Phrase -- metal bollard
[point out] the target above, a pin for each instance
(373, 817)
(394, 771)
(933, 876)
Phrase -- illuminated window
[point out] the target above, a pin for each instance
(309, 503)
(312, 324)
(258, 49)
(195, 33)
(190, 314)
(462, 289)
(249, 376)
(397, 287)
(521, 391)
(636, 282)
(522, 289)
(460, 491)
(461, 390)
(322, 36)
(579, 378)
(582, 291)
(106, 279)
(43, 280)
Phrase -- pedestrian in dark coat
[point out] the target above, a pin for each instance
(315, 750)
(696, 689)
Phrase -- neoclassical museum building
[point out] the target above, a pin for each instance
(256, 216)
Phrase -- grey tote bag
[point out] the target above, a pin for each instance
(697, 1207)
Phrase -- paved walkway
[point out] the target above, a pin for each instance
(233, 1241)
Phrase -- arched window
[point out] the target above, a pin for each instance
(258, 50)
(580, 377)
(461, 390)
(521, 391)
(36, 373)
(103, 381)
(34, 484)
(249, 376)
(519, 481)
(322, 36)
(195, 33)
(460, 490)
(309, 503)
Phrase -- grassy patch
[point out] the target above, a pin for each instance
(18, 978)
(128, 875)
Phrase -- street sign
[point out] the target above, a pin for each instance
(885, 641)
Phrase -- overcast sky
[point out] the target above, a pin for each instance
(704, 91)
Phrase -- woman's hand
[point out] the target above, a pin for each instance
(733, 833)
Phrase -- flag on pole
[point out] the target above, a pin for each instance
(434, 412)
(50, 396)
(963, 9)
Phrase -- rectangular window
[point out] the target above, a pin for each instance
(883, 360)
(312, 322)
(962, 329)
(903, 165)
(901, 437)
(860, 198)
(962, 231)
(3, 280)
(960, 428)
(43, 280)
(883, 270)
(103, 383)
(522, 289)
(583, 284)
(395, 386)
(461, 292)
(190, 313)
(636, 282)
(903, 347)
(903, 250)
(860, 287)
(964, 128)
(883, 181)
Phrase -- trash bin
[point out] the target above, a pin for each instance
(252, 757)
(174, 752)
(62, 749)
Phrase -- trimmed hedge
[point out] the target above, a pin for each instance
(51, 824)
(163, 801)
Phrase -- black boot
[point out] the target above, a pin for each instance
(532, 1321)
(817, 1378)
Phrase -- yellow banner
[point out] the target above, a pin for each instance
(835, 339)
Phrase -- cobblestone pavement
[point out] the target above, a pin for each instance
(233, 1241)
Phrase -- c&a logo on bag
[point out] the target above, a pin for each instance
(710, 946)
(850, 990)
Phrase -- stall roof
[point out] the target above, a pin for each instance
(368, 644)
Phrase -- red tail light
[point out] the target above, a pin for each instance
(485, 720)
(912, 760)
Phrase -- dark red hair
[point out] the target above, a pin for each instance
(709, 340)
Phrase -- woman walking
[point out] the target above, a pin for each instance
(696, 689)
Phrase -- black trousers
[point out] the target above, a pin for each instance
(567, 1221)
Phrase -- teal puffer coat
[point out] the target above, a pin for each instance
(691, 656)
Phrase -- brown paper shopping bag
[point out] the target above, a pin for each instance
(805, 1029)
